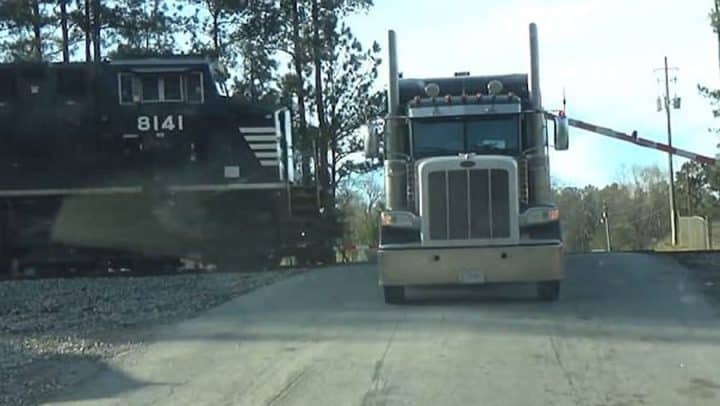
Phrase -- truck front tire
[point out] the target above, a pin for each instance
(548, 291)
(394, 294)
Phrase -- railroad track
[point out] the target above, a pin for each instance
(125, 267)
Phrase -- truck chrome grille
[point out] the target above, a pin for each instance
(469, 204)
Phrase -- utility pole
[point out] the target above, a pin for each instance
(673, 216)
(606, 220)
(667, 105)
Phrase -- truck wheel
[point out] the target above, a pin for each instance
(548, 291)
(394, 294)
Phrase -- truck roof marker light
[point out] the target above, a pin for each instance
(495, 87)
(432, 89)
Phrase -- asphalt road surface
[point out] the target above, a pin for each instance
(629, 329)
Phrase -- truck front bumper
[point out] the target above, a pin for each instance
(399, 266)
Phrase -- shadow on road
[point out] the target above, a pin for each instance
(617, 296)
(72, 369)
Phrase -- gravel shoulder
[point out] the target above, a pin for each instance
(58, 332)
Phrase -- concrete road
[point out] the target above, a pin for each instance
(629, 329)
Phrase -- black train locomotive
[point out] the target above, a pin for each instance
(147, 159)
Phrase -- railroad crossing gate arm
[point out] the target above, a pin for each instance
(634, 139)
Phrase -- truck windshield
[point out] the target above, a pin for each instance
(490, 135)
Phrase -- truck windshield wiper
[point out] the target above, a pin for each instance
(488, 148)
(432, 150)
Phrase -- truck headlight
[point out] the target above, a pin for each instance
(403, 219)
(539, 215)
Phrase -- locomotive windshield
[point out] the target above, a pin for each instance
(450, 136)
(160, 87)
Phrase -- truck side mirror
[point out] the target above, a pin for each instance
(562, 134)
(372, 141)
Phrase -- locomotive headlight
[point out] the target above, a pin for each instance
(539, 215)
(403, 219)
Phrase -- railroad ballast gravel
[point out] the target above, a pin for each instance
(48, 325)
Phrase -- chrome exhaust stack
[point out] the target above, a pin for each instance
(395, 154)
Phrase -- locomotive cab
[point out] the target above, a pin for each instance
(170, 113)
(125, 123)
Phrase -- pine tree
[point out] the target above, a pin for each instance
(325, 30)
(294, 85)
(257, 36)
(210, 27)
(145, 27)
(65, 34)
(92, 23)
(712, 173)
(24, 26)
(350, 100)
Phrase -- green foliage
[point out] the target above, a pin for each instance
(714, 16)
(580, 211)
(143, 27)
(359, 204)
(708, 175)
(350, 99)
(259, 27)
(714, 96)
(637, 209)
(696, 190)
(25, 29)
(210, 26)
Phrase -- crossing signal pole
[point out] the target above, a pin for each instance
(605, 219)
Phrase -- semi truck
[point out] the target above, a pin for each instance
(467, 181)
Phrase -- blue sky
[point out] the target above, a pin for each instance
(603, 52)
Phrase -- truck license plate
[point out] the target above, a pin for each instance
(472, 277)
